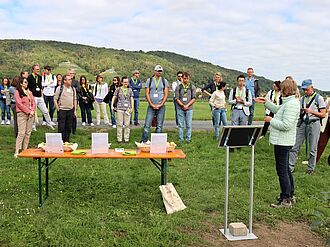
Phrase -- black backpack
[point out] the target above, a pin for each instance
(61, 91)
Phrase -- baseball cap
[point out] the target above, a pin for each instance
(306, 83)
(158, 67)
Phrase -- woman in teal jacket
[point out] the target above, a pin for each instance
(282, 136)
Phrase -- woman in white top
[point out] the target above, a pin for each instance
(275, 97)
(100, 91)
(218, 104)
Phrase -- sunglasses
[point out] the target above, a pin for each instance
(159, 71)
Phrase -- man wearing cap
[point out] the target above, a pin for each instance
(156, 95)
(136, 84)
(312, 110)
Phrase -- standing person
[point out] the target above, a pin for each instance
(86, 100)
(5, 101)
(176, 83)
(185, 95)
(25, 74)
(253, 86)
(100, 91)
(311, 113)
(125, 104)
(240, 99)
(12, 90)
(325, 132)
(49, 83)
(156, 94)
(25, 108)
(136, 84)
(218, 103)
(74, 83)
(59, 80)
(282, 136)
(275, 97)
(115, 84)
(65, 100)
(212, 87)
(35, 86)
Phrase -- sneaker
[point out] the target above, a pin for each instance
(83, 124)
(293, 199)
(114, 126)
(285, 203)
(8, 122)
(15, 155)
(136, 124)
(44, 123)
(305, 162)
(309, 172)
(97, 123)
(261, 137)
(91, 124)
(2, 122)
(53, 123)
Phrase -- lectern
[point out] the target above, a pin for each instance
(234, 137)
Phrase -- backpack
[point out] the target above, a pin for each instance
(44, 77)
(150, 81)
(302, 112)
(61, 91)
(246, 95)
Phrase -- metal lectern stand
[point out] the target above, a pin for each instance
(233, 137)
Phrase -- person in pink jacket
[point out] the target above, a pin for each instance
(25, 108)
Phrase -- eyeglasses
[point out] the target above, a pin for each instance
(179, 75)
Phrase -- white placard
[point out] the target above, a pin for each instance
(158, 143)
(100, 143)
(54, 143)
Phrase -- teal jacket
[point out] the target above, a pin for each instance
(283, 125)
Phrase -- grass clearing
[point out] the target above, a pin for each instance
(116, 203)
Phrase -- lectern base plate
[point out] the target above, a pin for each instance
(249, 236)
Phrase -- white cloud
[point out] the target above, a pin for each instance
(276, 38)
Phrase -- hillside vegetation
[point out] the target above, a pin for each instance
(16, 55)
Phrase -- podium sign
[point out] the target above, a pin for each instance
(233, 137)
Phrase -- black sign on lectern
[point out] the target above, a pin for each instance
(240, 136)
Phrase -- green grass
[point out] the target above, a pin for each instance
(202, 111)
(118, 203)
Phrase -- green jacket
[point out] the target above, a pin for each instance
(283, 125)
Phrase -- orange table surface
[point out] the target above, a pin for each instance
(38, 153)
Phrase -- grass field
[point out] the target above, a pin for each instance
(202, 111)
(116, 203)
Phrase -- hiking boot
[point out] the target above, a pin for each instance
(293, 199)
(284, 203)
(309, 172)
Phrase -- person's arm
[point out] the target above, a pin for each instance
(271, 106)
(257, 89)
(165, 94)
(249, 102)
(148, 94)
(56, 98)
(204, 89)
(74, 101)
(322, 107)
(132, 103)
(193, 97)
(44, 82)
(212, 100)
(139, 85)
(231, 101)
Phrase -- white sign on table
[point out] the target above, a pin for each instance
(100, 143)
(158, 143)
(54, 143)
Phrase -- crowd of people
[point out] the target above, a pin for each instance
(291, 118)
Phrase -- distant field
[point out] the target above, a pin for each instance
(201, 111)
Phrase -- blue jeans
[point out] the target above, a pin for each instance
(283, 171)
(250, 121)
(160, 115)
(184, 117)
(49, 101)
(136, 111)
(112, 115)
(219, 116)
(5, 109)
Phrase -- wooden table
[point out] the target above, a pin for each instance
(43, 160)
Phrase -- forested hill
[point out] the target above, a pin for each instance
(17, 55)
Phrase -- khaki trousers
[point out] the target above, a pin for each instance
(24, 123)
(123, 119)
(101, 107)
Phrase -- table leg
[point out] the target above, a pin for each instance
(40, 182)
(47, 171)
(163, 172)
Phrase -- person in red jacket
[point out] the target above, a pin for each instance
(25, 108)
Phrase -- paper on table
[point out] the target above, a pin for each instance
(100, 143)
(158, 143)
(54, 143)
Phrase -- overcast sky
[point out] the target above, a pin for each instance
(276, 38)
